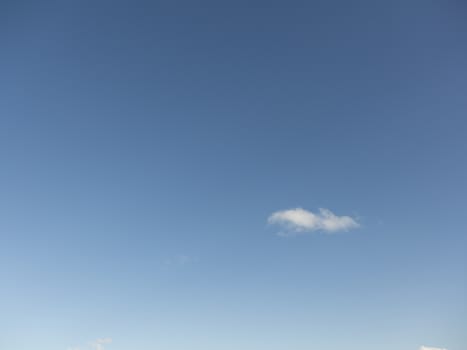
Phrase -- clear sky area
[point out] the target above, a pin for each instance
(233, 175)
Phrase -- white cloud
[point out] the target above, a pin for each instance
(430, 348)
(299, 220)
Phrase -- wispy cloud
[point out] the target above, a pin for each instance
(430, 348)
(180, 260)
(298, 220)
(97, 344)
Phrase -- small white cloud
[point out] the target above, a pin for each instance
(299, 220)
(430, 348)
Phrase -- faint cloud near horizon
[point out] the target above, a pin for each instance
(298, 221)
(97, 344)
(430, 348)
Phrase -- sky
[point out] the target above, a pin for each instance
(233, 175)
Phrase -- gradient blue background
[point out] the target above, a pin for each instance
(143, 144)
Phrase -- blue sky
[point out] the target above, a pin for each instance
(163, 166)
